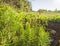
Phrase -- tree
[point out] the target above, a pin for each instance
(22, 5)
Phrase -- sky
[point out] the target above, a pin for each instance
(45, 4)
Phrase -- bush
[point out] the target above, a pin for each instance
(21, 29)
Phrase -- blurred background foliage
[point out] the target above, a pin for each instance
(22, 5)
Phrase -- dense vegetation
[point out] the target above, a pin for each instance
(19, 26)
(21, 29)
